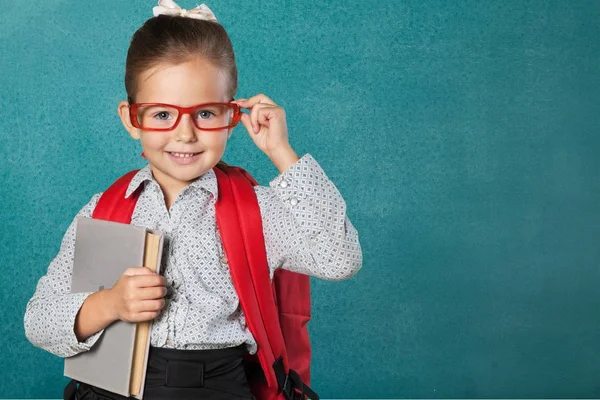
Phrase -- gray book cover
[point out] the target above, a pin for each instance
(103, 251)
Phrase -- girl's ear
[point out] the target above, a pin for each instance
(123, 111)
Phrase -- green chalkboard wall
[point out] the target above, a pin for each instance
(463, 135)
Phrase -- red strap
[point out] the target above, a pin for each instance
(249, 269)
(250, 224)
(113, 206)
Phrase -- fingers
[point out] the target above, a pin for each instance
(260, 115)
(140, 293)
(147, 280)
(137, 271)
(146, 316)
(145, 310)
(262, 109)
(265, 114)
(152, 293)
(151, 305)
(254, 116)
(245, 119)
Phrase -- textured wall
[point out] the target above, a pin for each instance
(464, 137)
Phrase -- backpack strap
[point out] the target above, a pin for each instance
(70, 390)
(239, 219)
(113, 206)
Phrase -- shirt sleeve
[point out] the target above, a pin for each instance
(305, 225)
(50, 314)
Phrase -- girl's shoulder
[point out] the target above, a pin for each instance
(88, 209)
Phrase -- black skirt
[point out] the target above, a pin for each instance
(187, 374)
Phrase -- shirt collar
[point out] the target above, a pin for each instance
(207, 181)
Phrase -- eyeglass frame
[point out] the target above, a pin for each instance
(133, 108)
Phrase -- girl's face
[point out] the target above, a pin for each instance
(187, 84)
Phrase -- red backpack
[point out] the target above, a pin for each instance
(276, 312)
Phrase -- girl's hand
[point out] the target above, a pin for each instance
(138, 295)
(266, 124)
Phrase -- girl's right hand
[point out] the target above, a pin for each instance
(138, 295)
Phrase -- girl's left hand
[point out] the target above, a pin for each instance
(265, 124)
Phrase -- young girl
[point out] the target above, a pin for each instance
(185, 58)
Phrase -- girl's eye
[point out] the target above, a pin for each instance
(204, 114)
(163, 115)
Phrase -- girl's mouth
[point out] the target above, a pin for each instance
(184, 158)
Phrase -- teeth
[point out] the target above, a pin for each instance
(184, 155)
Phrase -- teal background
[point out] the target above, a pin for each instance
(464, 137)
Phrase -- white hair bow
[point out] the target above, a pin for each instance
(169, 7)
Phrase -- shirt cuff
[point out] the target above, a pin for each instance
(75, 345)
(299, 181)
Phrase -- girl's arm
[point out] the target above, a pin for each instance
(305, 225)
(51, 313)
(304, 217)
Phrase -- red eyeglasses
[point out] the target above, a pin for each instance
(166, 117)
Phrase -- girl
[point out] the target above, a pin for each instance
(181, 59)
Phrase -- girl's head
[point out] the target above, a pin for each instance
(185, 62)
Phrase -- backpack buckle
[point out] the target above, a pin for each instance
(291, 384)
(289, 387)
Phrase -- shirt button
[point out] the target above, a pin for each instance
(224, 260)
(283, 183)
(169, 342)
(294, 201)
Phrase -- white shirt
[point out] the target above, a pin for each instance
(305, 227)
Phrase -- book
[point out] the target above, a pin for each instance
(103, 251)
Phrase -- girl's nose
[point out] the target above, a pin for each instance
(185, 130)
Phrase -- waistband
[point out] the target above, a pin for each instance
(214, 369)
(186, 375)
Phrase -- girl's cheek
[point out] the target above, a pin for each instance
(153, 140)
(220, 139)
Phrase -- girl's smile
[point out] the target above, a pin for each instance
(184, 158)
